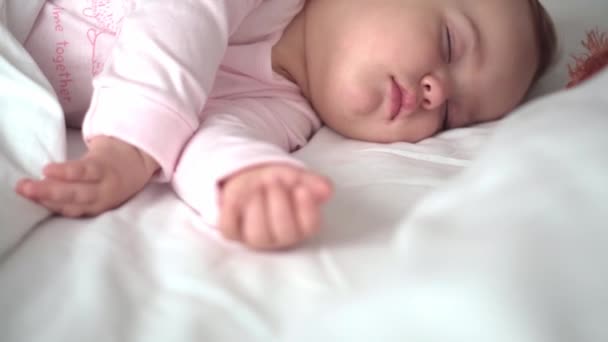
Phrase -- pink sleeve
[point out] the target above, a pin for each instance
(160, 72)
(237, 135)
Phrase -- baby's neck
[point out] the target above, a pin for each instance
(289, 53)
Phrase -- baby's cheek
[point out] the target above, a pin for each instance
(355, 99)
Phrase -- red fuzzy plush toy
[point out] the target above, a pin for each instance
(589, 63)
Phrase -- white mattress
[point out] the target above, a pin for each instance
(489, 233)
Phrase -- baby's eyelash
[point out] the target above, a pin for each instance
(446, 115)
(449, 42)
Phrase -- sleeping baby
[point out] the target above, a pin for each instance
(211, 96)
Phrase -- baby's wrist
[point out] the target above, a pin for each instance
(116, 148)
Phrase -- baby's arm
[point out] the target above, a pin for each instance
(157, 80)
(110, 173)
(237, 172)
(148, 97)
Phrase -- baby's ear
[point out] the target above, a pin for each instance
(591, 62)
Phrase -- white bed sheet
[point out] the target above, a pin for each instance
(150, 271)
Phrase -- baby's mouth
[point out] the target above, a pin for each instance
(402, 101)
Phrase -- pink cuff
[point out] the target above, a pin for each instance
(151, 126)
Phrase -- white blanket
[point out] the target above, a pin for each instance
(31, 134)
(513, 249)
(413, 247)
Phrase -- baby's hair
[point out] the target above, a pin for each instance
(546, 37)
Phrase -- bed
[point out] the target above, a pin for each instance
(496, 232)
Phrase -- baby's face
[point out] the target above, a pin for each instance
(403, 70)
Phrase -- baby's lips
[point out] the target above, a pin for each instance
(410, 101)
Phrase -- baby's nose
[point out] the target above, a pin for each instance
(434, 93)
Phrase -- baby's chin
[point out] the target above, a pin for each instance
(372, 135)
(374, 128)
(365, 134)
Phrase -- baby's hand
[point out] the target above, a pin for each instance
(107, 175)
(272, 206)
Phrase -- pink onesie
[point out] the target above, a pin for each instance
(190, 82)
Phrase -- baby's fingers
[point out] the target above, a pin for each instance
(281, 216)
(64, 209)
(230, 219)
(32, 189)
(320, 187)
(307, 211)
(74, 171)
(256, 230)
(23, 188)
(48, 190)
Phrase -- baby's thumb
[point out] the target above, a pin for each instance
(320, 187)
